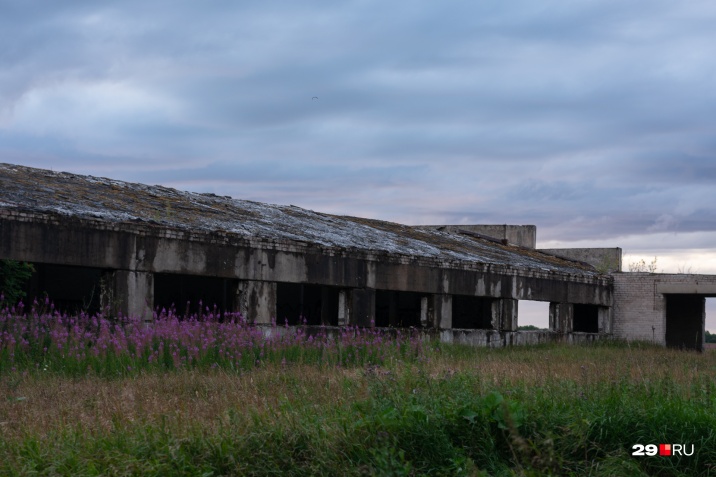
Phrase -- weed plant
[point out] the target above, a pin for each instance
(357, 403)
(46, 340)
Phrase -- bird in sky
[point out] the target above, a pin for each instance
(315, 97)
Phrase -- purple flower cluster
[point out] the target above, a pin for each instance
(44, 339)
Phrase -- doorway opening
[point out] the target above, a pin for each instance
(685, 321)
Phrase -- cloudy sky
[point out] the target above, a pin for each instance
(594, 120)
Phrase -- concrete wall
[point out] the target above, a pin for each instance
(496, 339)
(143, 249)
(606, 260)
(482, 338)
(522, 235)
(640, 301)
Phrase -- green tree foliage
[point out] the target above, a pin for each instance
(13, 276)
(710, 338)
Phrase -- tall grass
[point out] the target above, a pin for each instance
(430, 410)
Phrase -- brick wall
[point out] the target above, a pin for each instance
(640, 307)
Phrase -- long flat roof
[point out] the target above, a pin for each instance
(98, 198)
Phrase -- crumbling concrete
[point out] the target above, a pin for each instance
(273, 260)
(520, 235)
(606, 260)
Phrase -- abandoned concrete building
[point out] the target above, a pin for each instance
(98, 242)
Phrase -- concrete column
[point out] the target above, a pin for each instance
(441, 308)
(257, 301)
(344, 310)
(561, 317)
(506, 309)
(362, 307)
(128, 293)
(425, 312)
(605, 319)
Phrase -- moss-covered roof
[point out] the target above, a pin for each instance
(66, 194)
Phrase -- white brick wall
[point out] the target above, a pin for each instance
(639, 310)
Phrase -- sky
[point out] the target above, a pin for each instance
(594, 120)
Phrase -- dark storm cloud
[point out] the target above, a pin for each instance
(590, 119)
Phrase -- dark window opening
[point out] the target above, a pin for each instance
(472, 312)
(298, 303)
(185, 292)
(397, 309)
(71, 289)
(586, 318)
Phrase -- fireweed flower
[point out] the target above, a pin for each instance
(116, 345)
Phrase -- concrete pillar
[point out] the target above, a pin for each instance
(425, 312)
(504, 312)
(344, 310)
(605, 319)
(561, 317)
(257, 301)
(129, 293)
(440, 311)
(362, 307)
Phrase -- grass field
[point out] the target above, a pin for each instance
(225, 401)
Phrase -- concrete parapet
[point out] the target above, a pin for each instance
(606, 260)
(521, 235)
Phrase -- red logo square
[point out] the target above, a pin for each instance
(664, 449)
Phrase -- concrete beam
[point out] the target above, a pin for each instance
(688, 287)
(275, 262)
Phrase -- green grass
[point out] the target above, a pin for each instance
(547, 410)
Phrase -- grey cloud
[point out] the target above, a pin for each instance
(590, 119)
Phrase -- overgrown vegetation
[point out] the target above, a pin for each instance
(641, 266)
(13, 276)
(398, 406)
